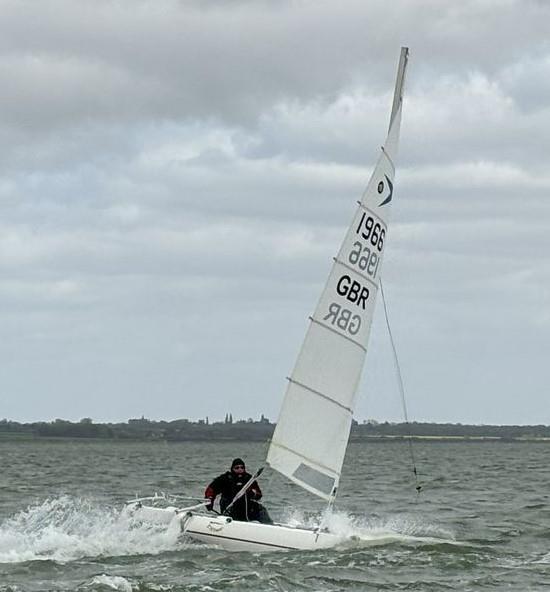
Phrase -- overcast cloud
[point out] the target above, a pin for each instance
(176, 176)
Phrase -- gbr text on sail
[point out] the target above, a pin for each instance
(362, 255)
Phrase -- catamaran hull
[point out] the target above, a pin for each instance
(233, 535)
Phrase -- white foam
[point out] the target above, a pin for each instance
(409, 528)
(67, 528)
(545, 559)
(113, 583)
(362, 530)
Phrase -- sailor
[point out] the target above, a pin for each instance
(228, 485)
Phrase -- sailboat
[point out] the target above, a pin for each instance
(311, 436)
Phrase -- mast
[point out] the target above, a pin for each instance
(399, 84)
(311, 436)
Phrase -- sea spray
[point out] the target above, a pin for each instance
(372, 530)
(106, 582)
(405, 528)
(66, 528)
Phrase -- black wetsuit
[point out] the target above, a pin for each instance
(247, 507)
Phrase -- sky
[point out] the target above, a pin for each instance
(176, 177)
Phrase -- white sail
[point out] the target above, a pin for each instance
(310, 440)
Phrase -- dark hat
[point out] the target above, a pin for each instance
(237, 461)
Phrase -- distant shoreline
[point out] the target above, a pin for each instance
(184, 430)
(353, 440)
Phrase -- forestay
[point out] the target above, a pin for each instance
(309, 442)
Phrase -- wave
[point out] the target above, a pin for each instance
(106, 582)
(65, 528)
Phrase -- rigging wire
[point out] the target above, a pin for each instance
(270, 472)
(418, 487)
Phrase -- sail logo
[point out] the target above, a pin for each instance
(381, 189)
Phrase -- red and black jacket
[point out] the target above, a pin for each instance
(228, 485)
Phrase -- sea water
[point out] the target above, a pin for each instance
(481, 521)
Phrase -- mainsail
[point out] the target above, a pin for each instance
(310, 440)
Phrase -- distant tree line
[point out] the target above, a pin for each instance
(254, 430)
(448, 430)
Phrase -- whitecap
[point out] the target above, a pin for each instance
(117, 583)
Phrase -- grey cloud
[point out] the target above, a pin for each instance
(181, 59)
(176, 177)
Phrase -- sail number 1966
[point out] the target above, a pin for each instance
(371, 231)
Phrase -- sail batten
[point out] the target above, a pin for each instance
(309, 474)
(319, 394)
(363, 276)
(309, 460)
(329, 328)
(388, 157)
(369, 211)
(312, 432)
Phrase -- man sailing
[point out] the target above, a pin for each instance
(228, 485)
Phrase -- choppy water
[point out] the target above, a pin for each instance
(481, 523)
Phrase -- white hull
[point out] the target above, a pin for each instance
(233, 535)
(253, 536)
